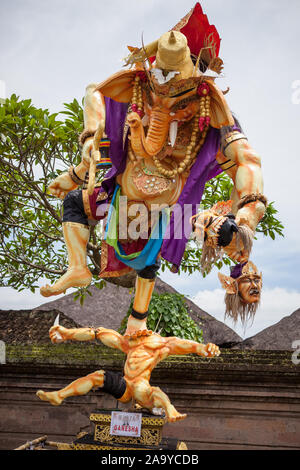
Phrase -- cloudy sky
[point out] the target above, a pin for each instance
(50, 51)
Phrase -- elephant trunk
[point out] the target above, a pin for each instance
(157, 132)
(150, 145)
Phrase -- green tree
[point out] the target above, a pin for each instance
(35, 147)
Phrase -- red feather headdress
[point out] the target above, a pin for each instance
(199, 33)
(203, 41)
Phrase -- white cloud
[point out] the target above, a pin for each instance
(10, 299)
(275, 304)
(25, 300)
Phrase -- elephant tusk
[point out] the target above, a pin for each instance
(173, 132)
(145, 120)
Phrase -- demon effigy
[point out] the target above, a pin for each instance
(144, 350)
(165, 129)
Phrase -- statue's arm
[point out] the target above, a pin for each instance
(60, 334)
(240, 161)
(94, 113)
(179, 346)
(110, 338)
(249, 203)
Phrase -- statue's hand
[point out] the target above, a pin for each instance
(209, 350)
(58, 334)
(136, 55)
(252, 213)
(62, 185)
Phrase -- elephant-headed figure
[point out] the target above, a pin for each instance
(169, 130)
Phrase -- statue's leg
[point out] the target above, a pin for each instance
(76, 234)
(110, 382)
(153, 397)
(144, 286)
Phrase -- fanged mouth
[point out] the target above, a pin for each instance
(254, 292)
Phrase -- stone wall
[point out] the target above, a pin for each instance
(241, 400)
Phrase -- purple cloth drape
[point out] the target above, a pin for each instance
(204, 168)
(114, 125)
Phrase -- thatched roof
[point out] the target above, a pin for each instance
(277, 337)
(30, 327)
(107, 307)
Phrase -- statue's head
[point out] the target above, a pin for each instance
(171, 84)
(243, 291)
(249, 288)
(174, 55)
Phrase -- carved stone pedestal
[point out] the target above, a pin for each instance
(150, 438)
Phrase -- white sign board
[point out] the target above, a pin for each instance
(125, 424)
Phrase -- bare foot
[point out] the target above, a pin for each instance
(176, 417)
(134, 325)
(72, 278)
(51, 397)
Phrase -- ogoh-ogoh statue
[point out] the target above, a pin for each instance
(166, 128)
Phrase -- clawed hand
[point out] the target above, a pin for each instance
(58, 334)
(61, 186)
(211, 350)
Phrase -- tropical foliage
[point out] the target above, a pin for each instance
(169, 316)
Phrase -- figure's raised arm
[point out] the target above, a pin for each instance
(110, 338)
(94, 114)
(244, 166)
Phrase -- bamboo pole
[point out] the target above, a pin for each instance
(32, 443)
